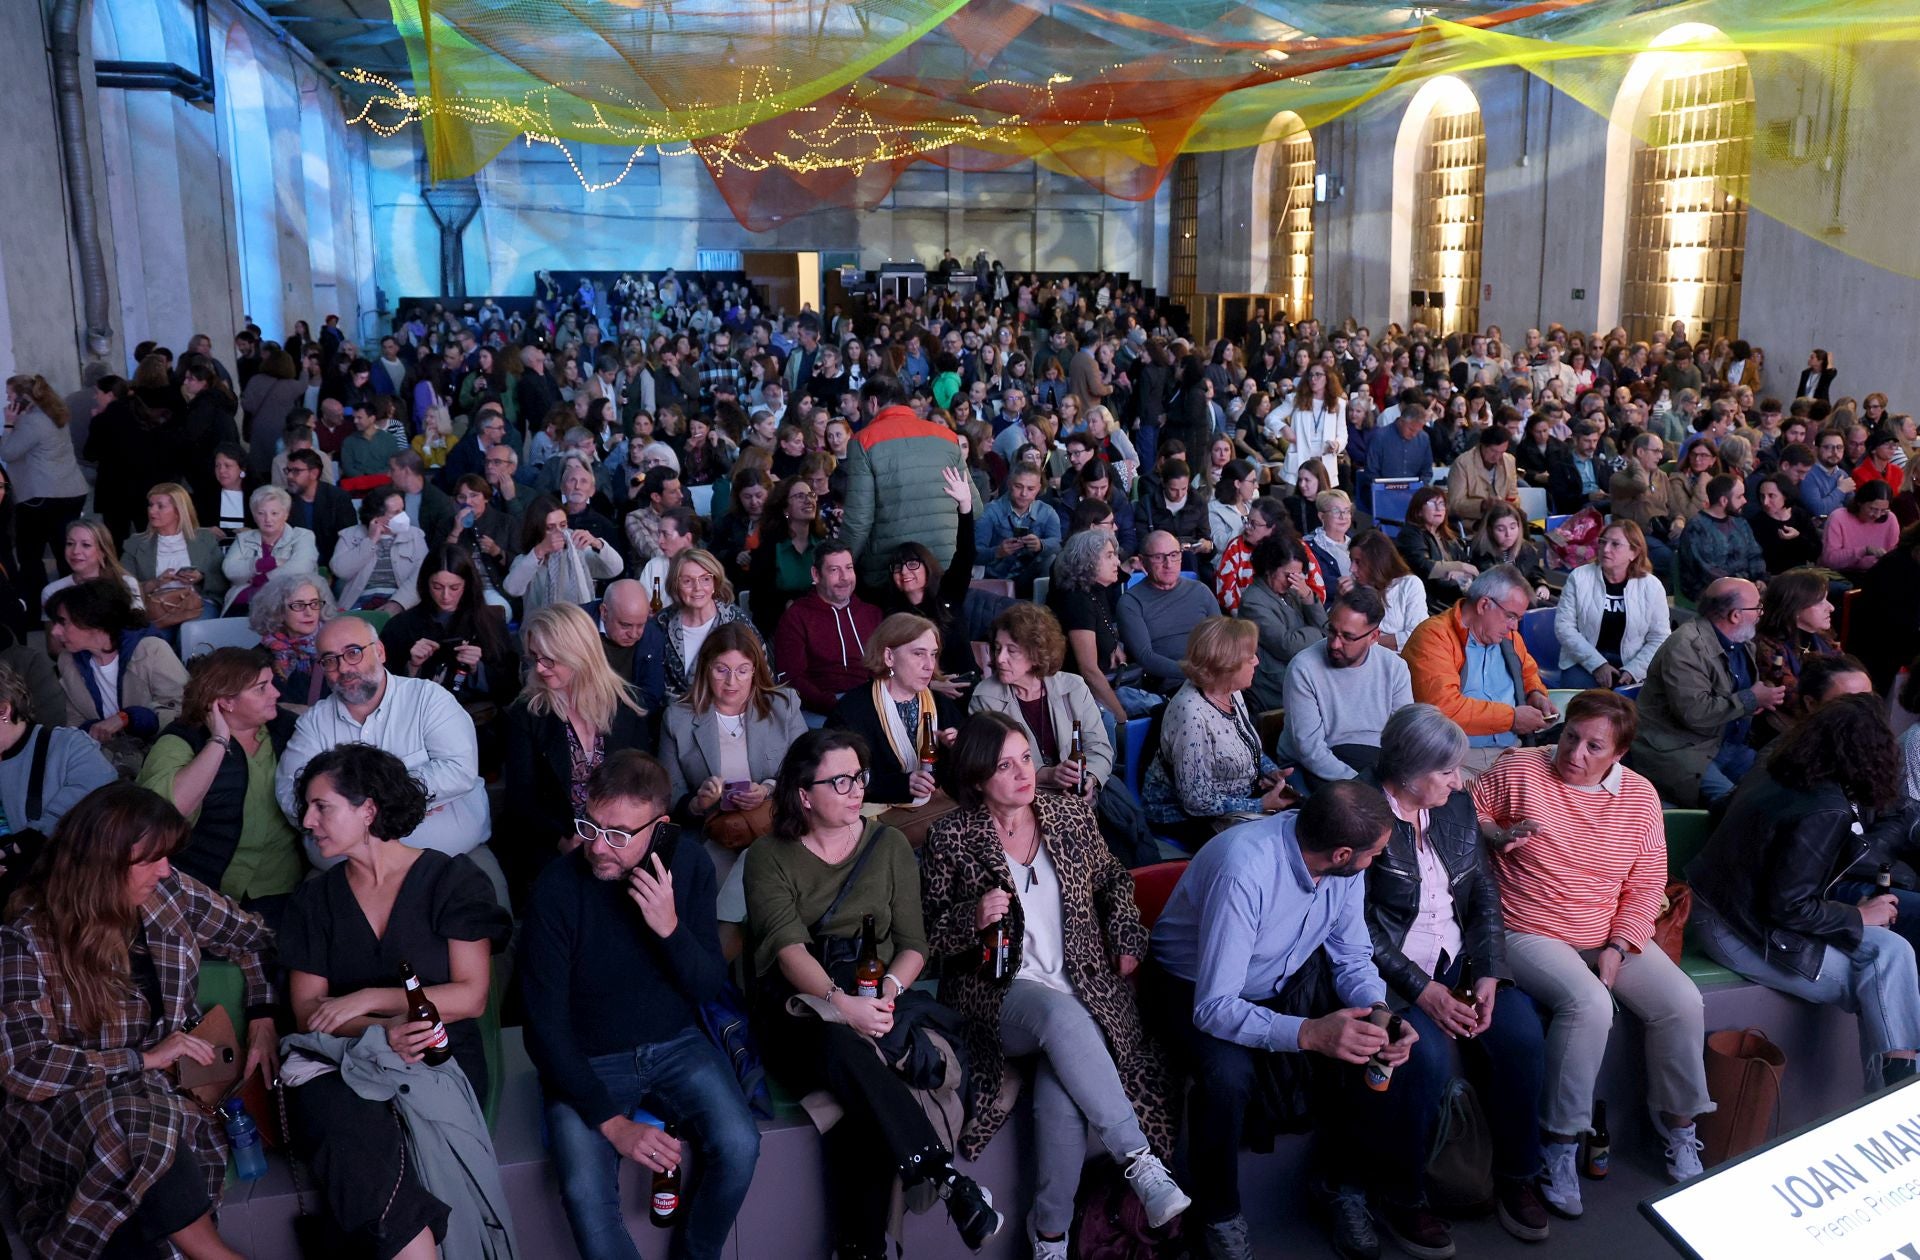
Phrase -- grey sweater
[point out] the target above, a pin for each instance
(75, 766)
(1154, 624)
(1328, 707)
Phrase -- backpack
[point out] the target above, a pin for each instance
(1109, 1222)
(1460, 1169)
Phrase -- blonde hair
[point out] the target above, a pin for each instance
(566, 634)
(110, 566)
(699, 559)
(182, 503)
(1216, 648)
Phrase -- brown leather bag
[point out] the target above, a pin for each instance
(915, 821)
(171, 604)
(210, 1084)
(1670, 929)
(738, 828)
(1744, 1072)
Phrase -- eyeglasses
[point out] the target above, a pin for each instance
(306, 605)
(899, 565)
(843, 784)
(587, 830)
(1159, 557)
(739, 673)
(1344, 637)
(351, 655)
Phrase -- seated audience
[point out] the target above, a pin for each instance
(1718, 542)
(102, 1154)
(1612, 615)
(485, 533)
(1701, 694)
(1017, 534)
(1157, 615)
(1332, 539)
(1440, 943)
(1234, 570)
(1232, 500)
(1652, 498)
(822, 641)
(1084, 596)
(1169, 505)
(1379, 564)
(1250, 910)
(781, 568)
(1581, 855)
(676, 536)
(376, 564)
(1210, 764)
(1340, 693)
(1471, 663)
(427, 505)
(1787, 536)
(90, 555)
(891, 714)
(451, 636)
(121, 678)
(216, 764)
(1028, 863)
(272, 546)
(287, 615)
(365, 451)
(174, 552)
(315, 504)
(1764, 903)
(1280, 602)
(1502, 539)
(1434, 552)
(1581, 476)
(1302, 507)
(633, 642)
(1796, 625)
(722, 741)
(1050, 707)
(1483, 476)
(809, 888)
(614, 1019)
(703, 601)
(557, 564)
(436, 916)
(1859, 534)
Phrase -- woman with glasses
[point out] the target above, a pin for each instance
(346, 935)
(703, 601)
(781, 568)
(558, 564)
(919, 584)
(903, 658)
(287, 615)
(1433, 550)
(1331, 541)
(722, 742)
(810, 886)
(1034, 864)
(1233, 497)
(573, 711)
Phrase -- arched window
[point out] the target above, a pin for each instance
(1439, 193)
(1183, 271)
(1680, 159)
(1283, 172)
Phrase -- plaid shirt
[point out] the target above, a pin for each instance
(717, 375)
(87, 1131)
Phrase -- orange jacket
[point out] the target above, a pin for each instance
(1436, 653)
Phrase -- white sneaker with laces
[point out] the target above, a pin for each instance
(1049, 1248)
(1561, 1185)
(1683, 1150)
(1155, 1187)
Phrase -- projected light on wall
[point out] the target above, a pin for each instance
(1290, 202)
(1449, 201)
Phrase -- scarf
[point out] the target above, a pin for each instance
(905, 742)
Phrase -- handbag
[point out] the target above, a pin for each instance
(840, 951)
(1744, 1071)
(317, 1235)
(1460, 1168)
(170, 603)
(1670, 929)
(209, 1085)
(738, 828)
(1109, 1222)
(915, 821)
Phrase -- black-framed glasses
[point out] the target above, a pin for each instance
(306, 605)
(616, 839)
(1344, 637)
(843, 784)
(350, 654)
(1158, 557)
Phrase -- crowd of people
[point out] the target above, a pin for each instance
(658, 655)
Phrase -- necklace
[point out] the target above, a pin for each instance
(730, 726)
(1010, 836)
(818, 842)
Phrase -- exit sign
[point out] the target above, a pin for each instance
(1579, 295)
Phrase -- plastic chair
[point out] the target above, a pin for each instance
(1687, 832)
(702, 497)
(1041, 585)
(1536, 631)
(1153, 887)
(994, 586)
(1555, 522)
(1391, 496)
(197, 637)
(1134, 741)
(1533, 503)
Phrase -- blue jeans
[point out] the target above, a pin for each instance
(1724, 772)
(1507, 1065)
(1660, 555)
(1854, 891)
(687, 1082)
(1579, 677)
(1875, 981)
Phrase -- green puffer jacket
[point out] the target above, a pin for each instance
(895, 493)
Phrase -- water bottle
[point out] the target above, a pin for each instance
(249, 1155)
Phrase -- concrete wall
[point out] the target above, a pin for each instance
(1547, 184)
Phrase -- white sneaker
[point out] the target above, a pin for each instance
(1683, 1150)
(1155, 1187)
(1049, 1249)
(1561, 1185)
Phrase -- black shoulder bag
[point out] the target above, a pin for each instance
(837, 954)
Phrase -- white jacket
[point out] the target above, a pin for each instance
(1320, 434)
(296, 552)
(1576, 623)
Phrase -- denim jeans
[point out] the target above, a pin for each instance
(1854, 891)
(1876, 981)
(1724, 772)
(1506, 1063)
(688, 1083)
(1579, 677)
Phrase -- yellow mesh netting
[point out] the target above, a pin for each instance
(796, 104)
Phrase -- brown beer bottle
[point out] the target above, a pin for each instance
(996, 950)
(929, 746)
(658, 601)
(420, 1010)
(1599, 1144)
(868, 969)
(1077, 754)
(663, 1202)
(1883, 882)
(1463, 990)
(1378, 1072)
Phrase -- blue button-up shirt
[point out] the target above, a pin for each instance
(1486, 678)
(1245, 916)
(1742, 670)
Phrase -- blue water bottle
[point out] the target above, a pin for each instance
(249, 1155)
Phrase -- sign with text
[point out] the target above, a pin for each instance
(1844, 1188)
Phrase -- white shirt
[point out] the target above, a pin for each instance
(691, 637)
(1435, 930)
(422, 724)
(1043, 947)
(170, 552)
(106, 675)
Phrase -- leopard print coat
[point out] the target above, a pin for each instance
(962, 861)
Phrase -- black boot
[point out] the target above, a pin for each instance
(968, 1202)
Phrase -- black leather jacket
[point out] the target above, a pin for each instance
(1393, 898)
(1769, 865)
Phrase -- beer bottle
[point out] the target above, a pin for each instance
(420, 1010)
(868, 969)
(1883, 882)
(1599, 1145)
(929, 745)
(658, 601)
(663, 1203)
(995, 949)
(1379, 1073)
(1077, 754)
(1463, 990)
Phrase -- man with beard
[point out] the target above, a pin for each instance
(416, 720)
(1251, 908)
(620, 949)
(1341, 691)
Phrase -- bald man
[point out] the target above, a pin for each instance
(417, 721)
(1700, 697)
(1157, 615)
(635, 643)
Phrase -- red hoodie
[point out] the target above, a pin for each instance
(818, 647)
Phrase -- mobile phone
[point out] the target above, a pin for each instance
(1021, 531)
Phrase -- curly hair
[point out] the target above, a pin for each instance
(1035, 631)
(1845, 742)
(362, 773)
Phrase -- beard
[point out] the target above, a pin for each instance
(357, 688)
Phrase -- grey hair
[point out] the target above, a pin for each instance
(270, 494)
(1080, 558)
(267, 610)
(1497, 583)
(1419, 739)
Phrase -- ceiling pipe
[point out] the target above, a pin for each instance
(77, 165)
